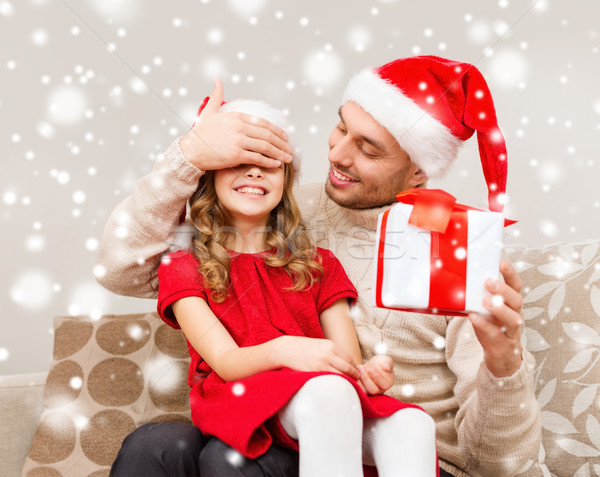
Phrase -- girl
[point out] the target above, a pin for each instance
(274, 354)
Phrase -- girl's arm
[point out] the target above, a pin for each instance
(376, 375)
(213, 342)
(338, 327)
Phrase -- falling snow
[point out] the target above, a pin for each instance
(66, 105)
(380, 348)
(238, 389)
(439, 342)
(323, 68)
(32, 289)
(163, 375)
(76, 382)
(35, 243)
(87, 122)
(234, 457)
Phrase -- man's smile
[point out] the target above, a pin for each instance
(339, 179)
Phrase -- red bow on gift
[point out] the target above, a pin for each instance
(433, 208)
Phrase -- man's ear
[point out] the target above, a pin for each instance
(417, 176)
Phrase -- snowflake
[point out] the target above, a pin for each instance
(508, 67)
(6, 9)
(479, 32)
(246, 8)
(66, 105)
(407, 390)
(9, 197)
(359, 38)
(234, 457)
(238, 389)
(135, 332)
(35, 243)
(39, 37)
(460, 253)
(497, 301)
(79, 197)
(380, 348)
(323, 69)
(81, 422)
(32, 289)
(99, 271)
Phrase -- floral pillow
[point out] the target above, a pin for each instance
(562, 317)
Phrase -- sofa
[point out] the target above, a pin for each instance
(112, 374)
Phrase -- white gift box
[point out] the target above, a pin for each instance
(440, 265)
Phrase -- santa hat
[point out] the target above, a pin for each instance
(431, 105)
(262, 110)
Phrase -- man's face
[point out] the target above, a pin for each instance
(367, 165)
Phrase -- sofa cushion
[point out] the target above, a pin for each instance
(561, 310)
(108, 376)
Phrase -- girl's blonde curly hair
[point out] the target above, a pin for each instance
(285, 232)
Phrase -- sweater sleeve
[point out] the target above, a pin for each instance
(142, 227)
(498, 422)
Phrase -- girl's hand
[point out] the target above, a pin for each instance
(220, 140)
(312, 354)
(377, 374)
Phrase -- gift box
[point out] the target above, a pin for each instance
(433, 255)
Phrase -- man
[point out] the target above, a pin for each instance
(399, 125)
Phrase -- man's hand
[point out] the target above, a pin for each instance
(377, 374)
(500, 333)
(220, 140)
(313, 354)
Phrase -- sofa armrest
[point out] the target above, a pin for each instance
(21, 398)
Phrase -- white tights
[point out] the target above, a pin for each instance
(325, 417)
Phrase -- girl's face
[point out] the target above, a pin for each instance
(249, 192)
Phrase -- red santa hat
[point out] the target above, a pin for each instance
(431, 105)
(260, 109)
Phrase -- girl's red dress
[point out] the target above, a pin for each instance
(259, 307)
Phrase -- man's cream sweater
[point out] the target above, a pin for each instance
(485, 425)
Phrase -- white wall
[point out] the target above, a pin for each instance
(78, 123)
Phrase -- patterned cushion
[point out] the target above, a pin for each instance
(562, 318)
(107, 377)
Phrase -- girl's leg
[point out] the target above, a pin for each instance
(402, 444)
(326, 418)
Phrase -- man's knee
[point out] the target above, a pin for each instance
(160, 447)
(217, 458)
